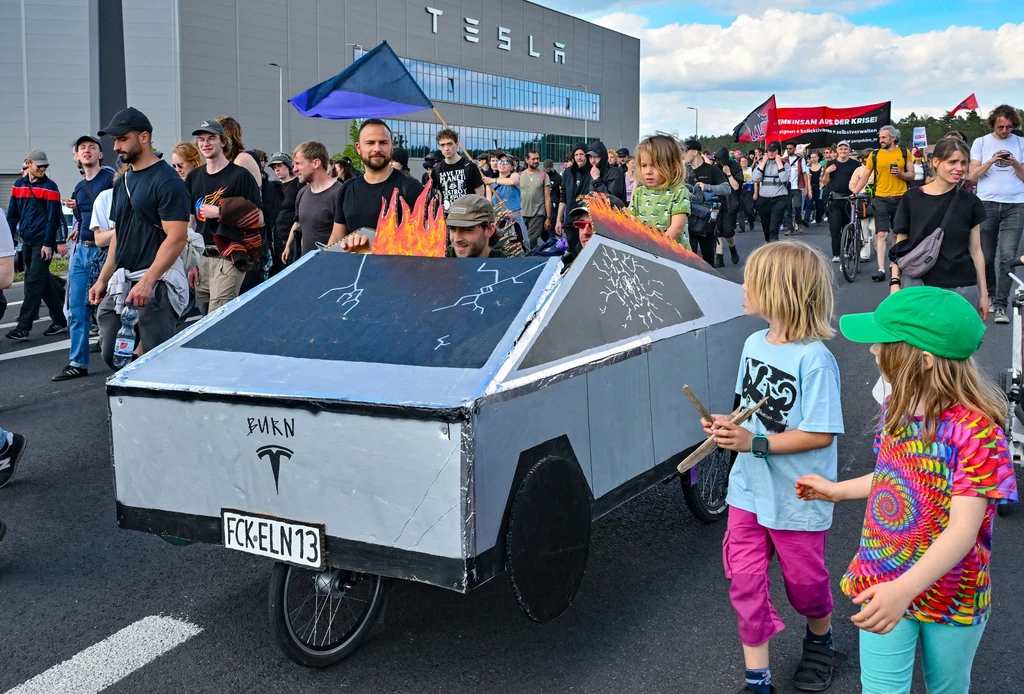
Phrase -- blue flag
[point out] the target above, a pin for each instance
(376, 86)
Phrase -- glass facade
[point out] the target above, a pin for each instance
(419, 139)
(460, 86)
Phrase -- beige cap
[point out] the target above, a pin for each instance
(470, 211)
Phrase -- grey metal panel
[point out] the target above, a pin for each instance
(673, 363)
(621, 441)
(726, 340)
(560, 409)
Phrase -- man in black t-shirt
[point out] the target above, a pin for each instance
(284, 169)
(150, 210)
(220, 279)
(712, 181)
(836, 179)
(456, 176)
(359, 204)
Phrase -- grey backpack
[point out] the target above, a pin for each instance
(921, 258)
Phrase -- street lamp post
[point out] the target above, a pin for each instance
(696, 127)
(280, 106)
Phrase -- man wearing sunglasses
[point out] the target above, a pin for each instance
(35, 211)
(997, 169)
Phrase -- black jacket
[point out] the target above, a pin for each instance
(612, 180)
(575, 181)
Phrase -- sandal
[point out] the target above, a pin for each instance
(814, 673)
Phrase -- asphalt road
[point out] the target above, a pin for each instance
(652, 616)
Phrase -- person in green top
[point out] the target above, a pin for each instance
(660, 198)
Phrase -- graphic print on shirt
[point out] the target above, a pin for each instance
(453, 185)
(762, 380)
(211, 199)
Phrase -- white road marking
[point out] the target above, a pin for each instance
(12, 304)
(58, 346)
(112, 659)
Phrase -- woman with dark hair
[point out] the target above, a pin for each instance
(816, 204)
(960, 266)
(235, 151)
(343, 169)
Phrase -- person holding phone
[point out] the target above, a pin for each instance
(997, 170)
(893, 168)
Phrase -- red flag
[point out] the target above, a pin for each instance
(969, 104)
(762, 125)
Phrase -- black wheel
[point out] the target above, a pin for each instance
(548, 538)
(321, 617)
(705, 486)
(849, 258)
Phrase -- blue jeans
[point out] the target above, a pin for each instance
(79, 275)
(1000, 236)
(947, 653)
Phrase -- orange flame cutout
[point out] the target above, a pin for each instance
(620, 224)
(422, 231)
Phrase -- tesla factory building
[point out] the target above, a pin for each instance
(504, 73)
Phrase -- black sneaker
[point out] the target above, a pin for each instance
(814, 672)
(18, 334)
(70, 372)
(55, 329)
(879, 276)
(734, 255)
(9, 458)
(94, 331)
(719, 260)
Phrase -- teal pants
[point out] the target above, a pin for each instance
(887, 660)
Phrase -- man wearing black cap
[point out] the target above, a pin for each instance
(284, 169)
(770, 178)
(712, 181)
(622, 154)
(400, 160)
(575, 182)
(220, 279)
(87, 255)
(150, 211)
(836, 179)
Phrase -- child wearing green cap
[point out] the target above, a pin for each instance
(921, 575)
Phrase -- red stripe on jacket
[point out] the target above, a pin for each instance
(44, 194)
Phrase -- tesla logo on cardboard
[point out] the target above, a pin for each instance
(275, 454)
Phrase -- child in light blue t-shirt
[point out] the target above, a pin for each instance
(793, 433)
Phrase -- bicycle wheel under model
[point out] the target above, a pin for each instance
(706, 485)
(322, 617)
(849, 258)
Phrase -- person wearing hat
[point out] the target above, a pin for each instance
(622, 154)
(836, 181)
(87, 254)
(284, 169)
(711, 180)
(150, 213)
(920, 576)
(582, 222)
(400, 160)
(34, 210)
(575, 183)
(220, 276)
(770, 177)
(605, 178)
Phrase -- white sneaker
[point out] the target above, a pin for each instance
(835, 259)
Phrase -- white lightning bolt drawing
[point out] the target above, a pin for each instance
(350, 293)
(473, 299)
(636, 293)
(441, 343)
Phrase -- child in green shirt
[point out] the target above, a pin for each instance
(660, 198)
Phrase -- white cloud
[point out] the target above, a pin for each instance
(813, 59)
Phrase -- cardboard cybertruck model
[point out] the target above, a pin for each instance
(365, 417)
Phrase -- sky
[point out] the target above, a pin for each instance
(725, 57)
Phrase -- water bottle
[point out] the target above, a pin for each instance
(124, 343)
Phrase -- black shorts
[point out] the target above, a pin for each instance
(885, 213)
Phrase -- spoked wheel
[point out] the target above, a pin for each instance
(849, 258)
(1005, 384)
(321, 617)
(705, 486)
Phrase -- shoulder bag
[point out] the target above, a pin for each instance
(921, 258)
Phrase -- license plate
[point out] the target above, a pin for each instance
(294, 542)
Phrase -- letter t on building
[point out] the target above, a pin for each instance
(436, 13)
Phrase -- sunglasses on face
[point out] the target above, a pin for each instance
(582, 224)
(178, 166)
(42, 166)
(504, 161)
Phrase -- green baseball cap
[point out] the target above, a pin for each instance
(930, 318)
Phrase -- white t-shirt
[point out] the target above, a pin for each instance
(6, 240)
(101, 211)
(1000, 183)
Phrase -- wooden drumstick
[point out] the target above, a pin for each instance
(705, 449)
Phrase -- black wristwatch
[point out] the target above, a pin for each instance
(759, 446)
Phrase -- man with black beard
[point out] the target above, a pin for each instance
(359, 202)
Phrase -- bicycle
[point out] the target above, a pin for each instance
(849, 239)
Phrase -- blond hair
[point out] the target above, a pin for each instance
(950, 382)
(188, 152)
(665, 155)
(792, 283)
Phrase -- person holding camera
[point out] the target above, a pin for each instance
(997, 170)
(772, 177)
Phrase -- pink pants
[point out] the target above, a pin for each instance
(747, 551)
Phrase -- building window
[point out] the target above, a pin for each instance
(418, 138)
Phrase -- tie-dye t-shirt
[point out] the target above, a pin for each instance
(908, 508)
